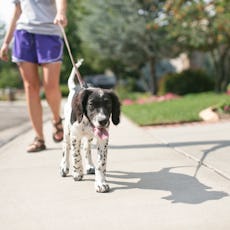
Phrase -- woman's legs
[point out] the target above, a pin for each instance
(51, 77)
(30, 76)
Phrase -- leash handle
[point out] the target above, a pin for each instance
(81, 82)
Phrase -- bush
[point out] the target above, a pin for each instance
(127, 92)
(10, 78)
(188, 81)
(64, 90)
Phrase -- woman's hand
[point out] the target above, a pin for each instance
(4, 52)
(60, 19)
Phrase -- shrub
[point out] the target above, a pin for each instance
(64, 90)
(125, 92)
(188, 81)
(10, 78)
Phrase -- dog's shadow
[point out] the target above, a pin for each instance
(183, 188)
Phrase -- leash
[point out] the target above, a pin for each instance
(82, 83)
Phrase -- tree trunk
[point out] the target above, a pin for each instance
(220, 58)
(215, 56)
(153, 78)
(226, 68)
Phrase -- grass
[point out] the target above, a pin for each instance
(184, 109)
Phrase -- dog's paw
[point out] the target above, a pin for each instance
(102, 188)
(77, 177)
(64, 171)
(90, 171)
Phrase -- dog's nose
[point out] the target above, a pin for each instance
(103, 122)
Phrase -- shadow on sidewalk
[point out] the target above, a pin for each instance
(218, 144)
(183, 188)
(142, 146)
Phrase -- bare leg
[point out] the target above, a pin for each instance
(30, 76)
(51, 77)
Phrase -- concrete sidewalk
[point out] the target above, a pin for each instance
(160, 178)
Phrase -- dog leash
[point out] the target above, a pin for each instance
(82, 83)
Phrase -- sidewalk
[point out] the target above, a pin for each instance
(154, 173)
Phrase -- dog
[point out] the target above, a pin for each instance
(87, 116)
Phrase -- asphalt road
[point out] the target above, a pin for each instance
(14, 119)
(12, 114)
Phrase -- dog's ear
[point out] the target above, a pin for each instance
(79, 103)
(116, 108)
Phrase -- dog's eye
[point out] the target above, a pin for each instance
(94, 104)
(106, 101)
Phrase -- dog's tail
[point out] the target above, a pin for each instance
(71, 82)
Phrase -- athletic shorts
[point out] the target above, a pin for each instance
(36, 48)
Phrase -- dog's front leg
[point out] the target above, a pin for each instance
(76, 158)
(87, 153)
(64, 166)
(100, 182)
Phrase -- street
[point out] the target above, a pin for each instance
(14, 119)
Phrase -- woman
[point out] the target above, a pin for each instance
(37, 42)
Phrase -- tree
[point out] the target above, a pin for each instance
(73, 39)
(2, 30)
(203, 25)
(9, 76)
(129, 32)
(2, 34)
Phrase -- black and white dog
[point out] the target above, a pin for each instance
(87, 116)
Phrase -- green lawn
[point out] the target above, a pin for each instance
(184, 109)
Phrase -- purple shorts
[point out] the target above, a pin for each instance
(36, 48)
